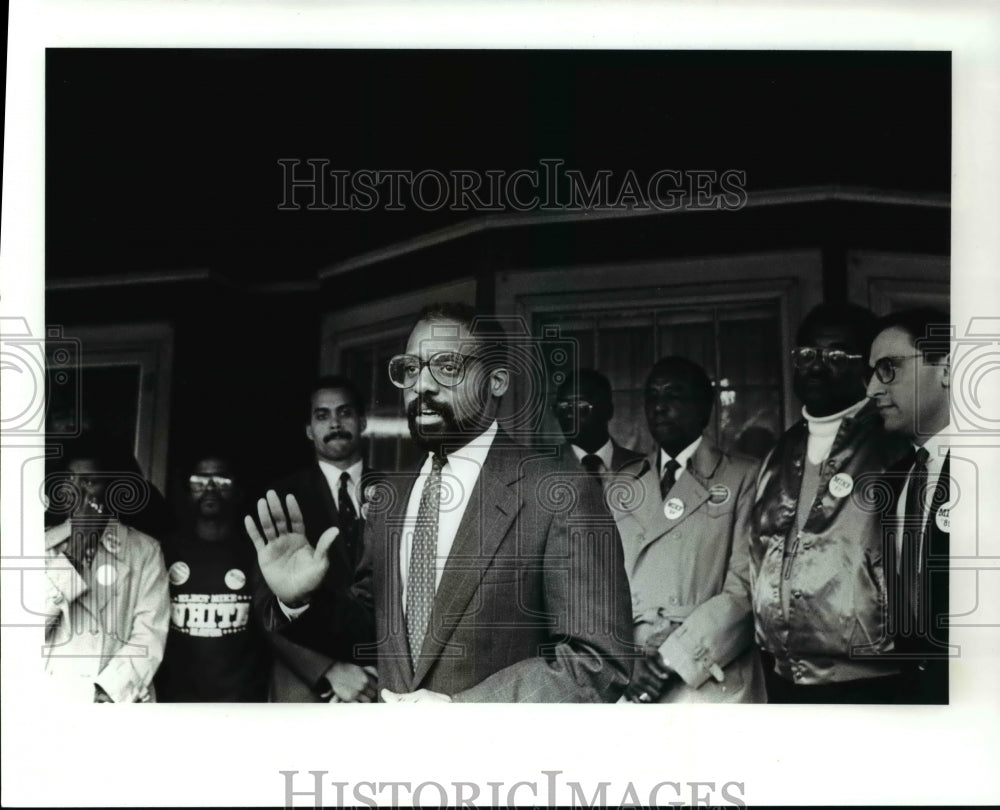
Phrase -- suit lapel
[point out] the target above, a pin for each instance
(492, 507)
(107, 574)
(686, 496)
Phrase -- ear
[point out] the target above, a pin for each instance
(946, 371)
(499, 382)
(363, 422)
(309, 433)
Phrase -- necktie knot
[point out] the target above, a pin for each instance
(591, 463)
(921, 457)
(438, 460)
(669, 476)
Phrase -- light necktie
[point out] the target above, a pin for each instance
(420, 582)
(592, 464)
(346, 515)
(669, 477)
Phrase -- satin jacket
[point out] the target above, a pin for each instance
(820, 594)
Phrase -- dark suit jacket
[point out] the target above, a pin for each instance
(533, 604)
(620, 456)
(924, 648)
(297, 669)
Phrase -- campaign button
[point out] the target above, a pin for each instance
(107, 575)
(719, 494)
(841, 485)
(179, 573)
(235, 579)
(673, 508)
(943, 519)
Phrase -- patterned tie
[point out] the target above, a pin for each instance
(420, 582)
(592, 464)
(669, 477)
(913, 531)
(346, 514)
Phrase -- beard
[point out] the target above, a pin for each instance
(432, 436)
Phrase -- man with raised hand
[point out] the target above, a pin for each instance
(490, 578)
(330, 492)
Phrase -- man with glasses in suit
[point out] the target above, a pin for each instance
(910, 385)
(486, 583)
(583, 408)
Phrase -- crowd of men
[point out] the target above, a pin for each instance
(502, 572)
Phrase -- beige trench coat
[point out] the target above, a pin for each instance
(689, 572)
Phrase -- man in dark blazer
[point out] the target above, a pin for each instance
(491, 576)
(330, 492)
(583, 408)
(910, 383)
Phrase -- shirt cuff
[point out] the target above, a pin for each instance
(292, 613)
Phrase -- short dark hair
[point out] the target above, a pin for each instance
(929, 329)
(858, 319)
(340, 382)
(486, 328)
(110, 454)
(686, 370)
(586, 379)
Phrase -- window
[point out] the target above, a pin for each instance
(738, 344)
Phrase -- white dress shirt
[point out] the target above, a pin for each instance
(937, 449)
(605, 453)
(682, 458)
(458, 480)
(331, 472)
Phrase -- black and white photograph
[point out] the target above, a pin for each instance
(529, 373)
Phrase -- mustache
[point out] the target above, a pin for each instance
(423, 404)
(338, 434)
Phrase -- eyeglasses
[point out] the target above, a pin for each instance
(885, 367)
(199, 483)
(805, 356)
(447, 368)
(567, 407)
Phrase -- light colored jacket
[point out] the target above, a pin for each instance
(109, 626)
(689, 573)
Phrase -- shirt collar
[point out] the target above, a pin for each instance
(475, 451)
(605, 453)
(332, 472)
(682, 457)
(112, 537)
(936, 446)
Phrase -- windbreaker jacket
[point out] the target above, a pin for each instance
(819, 595)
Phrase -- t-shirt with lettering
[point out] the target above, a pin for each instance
(215, 651)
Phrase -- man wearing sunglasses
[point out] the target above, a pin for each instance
(817, 570)
(910, 385)
(490, 578)
(215, 651)
(330, 492)
(583, 408)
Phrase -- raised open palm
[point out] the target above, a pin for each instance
(292, 568)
